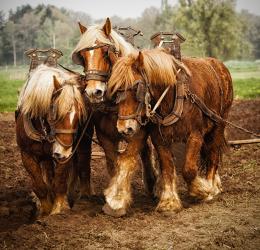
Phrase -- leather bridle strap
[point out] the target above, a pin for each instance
(97, 75)
(65, 131)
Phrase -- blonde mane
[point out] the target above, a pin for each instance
(36, 95)
(94, 33)
(159, 67)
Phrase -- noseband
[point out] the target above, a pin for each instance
(99, 75)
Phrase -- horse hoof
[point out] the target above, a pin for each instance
(200, 189)
(113, 212)
(169, 207)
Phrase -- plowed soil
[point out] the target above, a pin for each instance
(231, 221)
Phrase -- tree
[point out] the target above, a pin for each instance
(251, 31)
(214, 25)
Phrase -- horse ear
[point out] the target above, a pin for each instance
(56, 83)
(139, 62)
(107, 27)
(82, 28)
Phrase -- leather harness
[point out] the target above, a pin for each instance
(143, 95)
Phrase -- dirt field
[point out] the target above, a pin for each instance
(231, 221)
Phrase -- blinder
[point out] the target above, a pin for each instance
(140, 92)
(143, 98)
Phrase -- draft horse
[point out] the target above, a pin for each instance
(50, 107)
(139, 83)
(97, 50)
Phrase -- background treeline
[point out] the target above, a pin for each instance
(211, 27)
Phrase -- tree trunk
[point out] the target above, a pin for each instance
(53, 40)
(14, 50)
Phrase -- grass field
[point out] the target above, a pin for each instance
(246, 80)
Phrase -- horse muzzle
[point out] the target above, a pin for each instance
(96, 94)
(127, 128)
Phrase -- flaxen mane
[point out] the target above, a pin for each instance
(94, 33)
(158, 66)
(36, 95)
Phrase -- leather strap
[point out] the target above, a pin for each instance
(177, 110)
(97, 75)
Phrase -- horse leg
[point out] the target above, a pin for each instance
(149, 165)
(118, 193)
(83, 164)
(198, 187)
(110, 148)
(169, 199)
(47, 168)
(39, 186)
(60, 187)
(212, 155)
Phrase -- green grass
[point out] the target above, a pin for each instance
(9, 92)
(246, 88)
(246, 81)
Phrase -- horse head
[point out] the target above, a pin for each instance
(139, 81)
(127, 85)
(66, 111)
(97, 51)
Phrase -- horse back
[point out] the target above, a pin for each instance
(212, 82)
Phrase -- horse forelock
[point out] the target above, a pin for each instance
(122, 76)
(69, 96)
(95, 33)
(36, 95)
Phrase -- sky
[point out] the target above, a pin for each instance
(105, 8)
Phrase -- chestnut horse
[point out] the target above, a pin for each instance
(96, 51)
(50, 108)
(140, 81)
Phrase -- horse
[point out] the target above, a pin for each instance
(98, 48)
(50, 108)
(177, 102)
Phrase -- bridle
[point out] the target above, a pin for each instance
(52, 120)
(100, 75)
(143, 97)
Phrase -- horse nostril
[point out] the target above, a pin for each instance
(56, 155)
(129, 131)
(98, 93)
